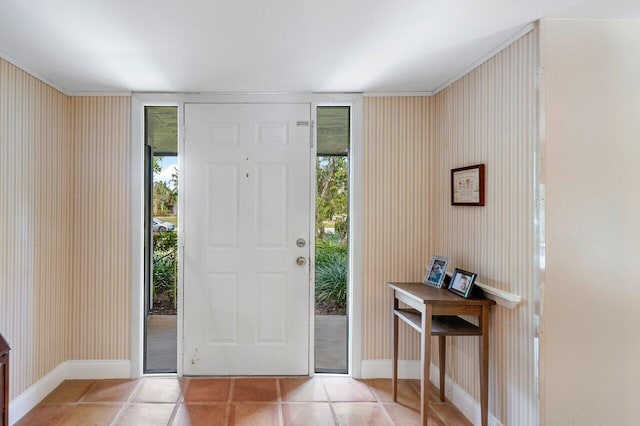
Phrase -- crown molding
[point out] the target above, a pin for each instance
(484, 58)
(4, 55)
(395, 94)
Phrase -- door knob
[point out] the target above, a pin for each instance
(301, 260)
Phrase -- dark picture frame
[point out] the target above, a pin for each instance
(467, 186)
(436, 271)
(462, 282)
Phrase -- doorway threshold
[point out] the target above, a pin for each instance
(162, 344)
(331, 344)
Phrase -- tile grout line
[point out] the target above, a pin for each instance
(126, 404)
(76, 403)
(429, 401)
(280, 407)
(379, 401)
(227, 408)
(83, 394)
(333, 411)
(176, 407)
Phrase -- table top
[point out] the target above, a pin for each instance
(4, 346)
(436, 296)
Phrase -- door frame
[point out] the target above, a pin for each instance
(138, 102)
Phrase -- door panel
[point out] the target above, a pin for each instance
(222, 220)
(271, 318)
(246, 203)
(272, 205)
(222, 312)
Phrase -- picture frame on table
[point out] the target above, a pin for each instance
(436, 271)
(462, 282)
(467, 186)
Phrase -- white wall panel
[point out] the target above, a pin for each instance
(591, 293)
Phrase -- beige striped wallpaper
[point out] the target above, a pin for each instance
(489, 116)
(99, 325)
(396, 213)
(36, 193)
(64, 169)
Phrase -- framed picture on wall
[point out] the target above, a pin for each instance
(467, 186)
(436, 271)
(461, 282)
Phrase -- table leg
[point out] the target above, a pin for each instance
(442, 350)
(425, 355)
(394, 345)
(484, 366)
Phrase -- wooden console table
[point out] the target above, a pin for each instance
(4, 382)
(434, 312)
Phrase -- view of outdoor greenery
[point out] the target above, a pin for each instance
(165, 244)
(332, 176)
(332, 207)
(331, 235)
(165, 268)
(161, 132)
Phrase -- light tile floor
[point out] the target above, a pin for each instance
(264, 401)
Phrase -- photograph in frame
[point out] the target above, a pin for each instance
(436, 271)
(467, 186)
(462, 282)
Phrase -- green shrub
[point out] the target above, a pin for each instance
(165, 241)
(325, 247)
(165, 253)
(332, 263)
(164, 277)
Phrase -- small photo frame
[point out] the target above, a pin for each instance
(467, 186)
(461, 282)
(436, 271)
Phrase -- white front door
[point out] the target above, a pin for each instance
(246, 206)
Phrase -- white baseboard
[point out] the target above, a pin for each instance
(28, 399)
(381, 369)
(89, 369)
(410, 369)
(98, 369)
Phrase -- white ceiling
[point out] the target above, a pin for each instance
(267, 45)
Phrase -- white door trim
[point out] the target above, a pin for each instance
(138, 102)
(355, 232)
